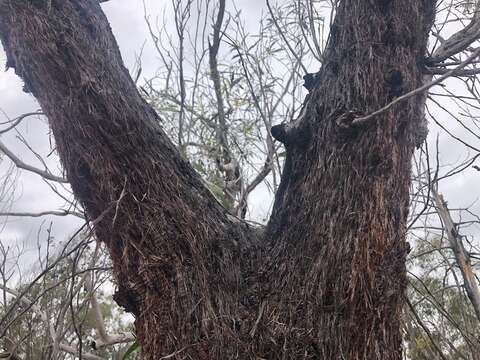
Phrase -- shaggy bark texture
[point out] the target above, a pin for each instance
(176, 254)
(327, 279)
(337, 232)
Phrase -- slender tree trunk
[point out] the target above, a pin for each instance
(327, 279)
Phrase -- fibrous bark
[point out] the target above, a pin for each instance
(176, 255)
(327, 279)
(337, 232)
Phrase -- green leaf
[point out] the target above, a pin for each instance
(134, 347)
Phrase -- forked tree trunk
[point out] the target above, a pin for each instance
(327, 278)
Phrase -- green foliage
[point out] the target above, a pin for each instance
(132, 349)
(442, 305)
(63, 301)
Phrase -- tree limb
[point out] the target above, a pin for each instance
(461, 255)
(21, 165)
(420, 90)
(104, 339)
(456, 72)
(44, 213)
(458, 42)
(18, 120)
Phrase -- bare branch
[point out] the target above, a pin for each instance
(456, 72)
(458, 42)
(18, 120)
(421, 89)
(44, 213)
(104, 339)
(427, 331)
(461, 255)
(21, 165)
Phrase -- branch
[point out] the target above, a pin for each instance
(427, 331)
(267, 167)
(104, 339)
(461, 255)
(458, 42)
(421, 89)
(32, 305)
(226, 161)
(114, 339)
(21, 165)
(111, 143)
(44, 213)
(456, 72)
(18, 120)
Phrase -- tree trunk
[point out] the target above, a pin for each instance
(327, 279)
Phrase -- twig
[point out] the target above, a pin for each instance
(293, 52)
(427, 331)
(21, 165)
(18, 120)
(421, 89)
(44, 213)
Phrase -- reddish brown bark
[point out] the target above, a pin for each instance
(327, 280)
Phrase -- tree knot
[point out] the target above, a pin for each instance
(346, 120)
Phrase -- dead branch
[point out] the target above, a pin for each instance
(461, 255)
(21, 165)
(420, 90)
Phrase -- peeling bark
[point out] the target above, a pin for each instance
(328, 279)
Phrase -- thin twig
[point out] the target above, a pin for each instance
(364, 119)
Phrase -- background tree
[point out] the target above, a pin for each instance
(63, 316)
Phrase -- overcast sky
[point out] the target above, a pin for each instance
(126, 18)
